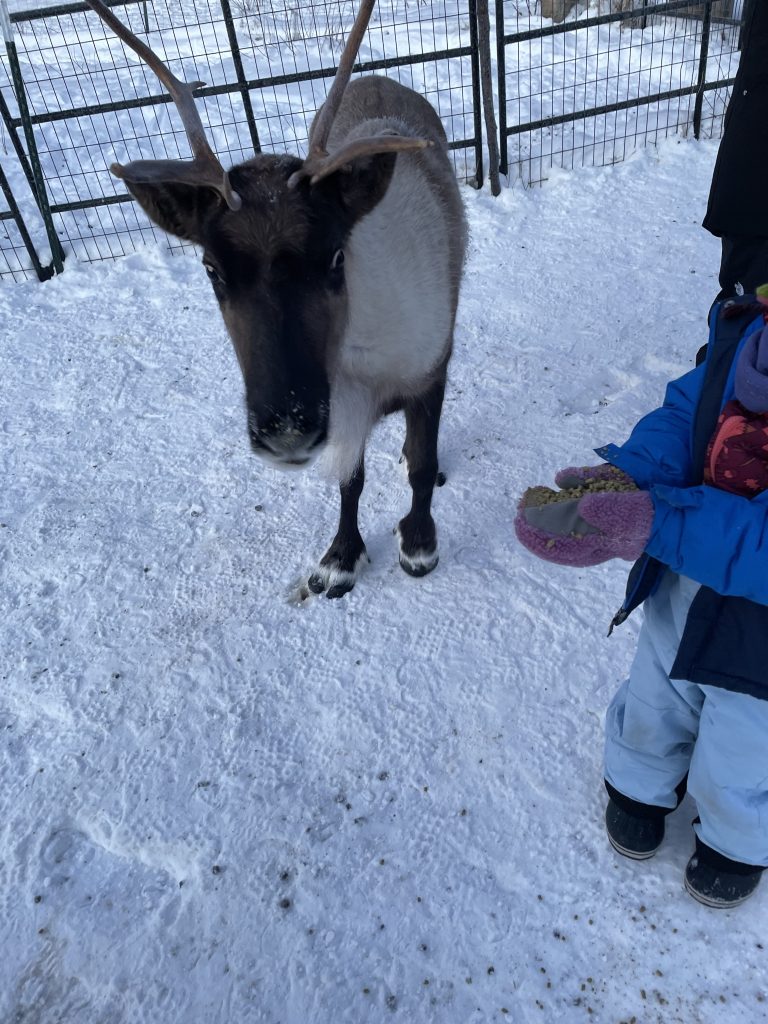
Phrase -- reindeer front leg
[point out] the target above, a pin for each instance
(416, 532)
(340, 565)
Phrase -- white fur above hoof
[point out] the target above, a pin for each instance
(332, 581)
(419, 562)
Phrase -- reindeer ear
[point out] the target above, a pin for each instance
(362, 183)
(179, 209)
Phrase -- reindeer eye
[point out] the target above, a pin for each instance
(338, 260)
(213, 275)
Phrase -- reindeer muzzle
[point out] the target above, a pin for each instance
(287, 441)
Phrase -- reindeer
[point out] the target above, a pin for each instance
(337, 277)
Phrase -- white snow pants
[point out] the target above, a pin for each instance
(658, 728)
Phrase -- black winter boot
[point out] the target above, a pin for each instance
(631, 835)
(717, 881)
(636, 830)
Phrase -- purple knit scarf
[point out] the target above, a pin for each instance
(752, 373)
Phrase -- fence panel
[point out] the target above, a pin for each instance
(267, 65)
(615, 76)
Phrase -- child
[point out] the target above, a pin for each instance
(688, 496)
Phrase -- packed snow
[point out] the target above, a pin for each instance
(219, 807)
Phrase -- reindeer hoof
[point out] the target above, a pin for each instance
(339, 590)
(417, 557)
(316, 583)
(420, 564)
(332, 579)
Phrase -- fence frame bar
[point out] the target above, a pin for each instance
(501, 75)
(12, 125)
(250, 84)
(40, 13)
(610, 108)
(234, 45)
(477, 94)
(14, 213)
(702, 75)
(663, 9)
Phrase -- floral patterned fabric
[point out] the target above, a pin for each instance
(737, 455)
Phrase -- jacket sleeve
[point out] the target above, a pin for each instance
(659, 448)
(690, 525)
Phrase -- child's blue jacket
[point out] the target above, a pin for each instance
(712, 536)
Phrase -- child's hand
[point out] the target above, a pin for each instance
(586, 524)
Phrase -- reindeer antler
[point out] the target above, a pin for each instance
(205, 168)
(318, 164)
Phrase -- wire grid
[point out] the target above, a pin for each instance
(722, 64)
(299, 41)
(562, 76)
(74, 67)
(15, 262)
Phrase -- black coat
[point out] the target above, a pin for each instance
(738, 198)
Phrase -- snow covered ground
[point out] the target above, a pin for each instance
(220, 808)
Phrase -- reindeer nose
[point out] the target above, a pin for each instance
(291, 439)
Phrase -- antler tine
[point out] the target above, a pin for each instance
(320, 167)
(321, 129)
(205, 168)
(319, 164)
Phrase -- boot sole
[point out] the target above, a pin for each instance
(632, 854)
(713, 904)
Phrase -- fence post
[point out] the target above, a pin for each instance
(706, 22)
(476, 94)
(484, 38)
(41, 195)
(241, 79)
(501, 73)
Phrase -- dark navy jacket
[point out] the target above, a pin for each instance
(712, 536)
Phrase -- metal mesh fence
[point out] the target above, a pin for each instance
(578, 83)
(266, 65)
(615, 75)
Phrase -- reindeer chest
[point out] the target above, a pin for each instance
(400, 296)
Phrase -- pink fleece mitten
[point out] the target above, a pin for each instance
(587, 529)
